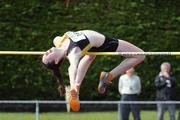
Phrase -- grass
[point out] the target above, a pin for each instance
(145, 115)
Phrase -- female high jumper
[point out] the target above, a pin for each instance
(74, 46)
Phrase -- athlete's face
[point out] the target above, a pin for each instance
(51, 56)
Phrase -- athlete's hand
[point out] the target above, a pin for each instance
(61, 90)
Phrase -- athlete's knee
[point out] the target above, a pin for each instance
(141, 57)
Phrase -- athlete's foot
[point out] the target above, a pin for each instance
(104, 82)
(74, 100)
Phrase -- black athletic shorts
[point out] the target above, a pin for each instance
(109, 45)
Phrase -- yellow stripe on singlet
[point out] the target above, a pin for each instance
(85, 50)
(61, 40)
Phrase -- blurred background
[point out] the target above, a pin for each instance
(30, 25)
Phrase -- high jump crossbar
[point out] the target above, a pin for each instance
(91, 53)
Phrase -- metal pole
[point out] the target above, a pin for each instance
(22, 52)
(91, 53)
(133, 53)
(118, 110)
(37, 110)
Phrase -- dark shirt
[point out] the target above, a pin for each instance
(165, 90)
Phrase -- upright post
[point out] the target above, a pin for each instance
(118, 111)
(37, 110)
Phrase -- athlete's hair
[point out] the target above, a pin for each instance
(56, 70)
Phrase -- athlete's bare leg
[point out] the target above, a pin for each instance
(130, 61)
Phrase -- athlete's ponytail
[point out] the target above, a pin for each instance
(57, 73)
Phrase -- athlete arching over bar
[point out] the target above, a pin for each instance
(74, 45)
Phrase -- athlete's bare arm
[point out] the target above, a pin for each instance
(73, 57)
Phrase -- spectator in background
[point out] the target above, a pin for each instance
(129, 88)
(165, 84)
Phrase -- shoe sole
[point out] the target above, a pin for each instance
(74, 103)
(100, 88)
